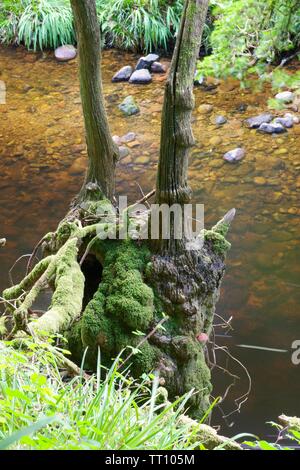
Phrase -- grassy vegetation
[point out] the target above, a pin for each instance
(37, 24)
(40, 409)
(142, 25)
(139, 24)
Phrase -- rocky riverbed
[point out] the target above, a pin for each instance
(43, 159)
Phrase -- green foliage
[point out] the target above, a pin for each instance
(39, 410)
(129, 24)
(45, 24)
(38, 24)
(139, 24)
(10, 12)
(250, 34)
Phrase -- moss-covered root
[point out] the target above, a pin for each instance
(66, 302)
(207, 435)
(29, 281)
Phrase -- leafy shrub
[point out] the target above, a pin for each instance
(9, 19)
(250, 34)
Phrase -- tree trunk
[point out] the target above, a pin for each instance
(102, 152)
(176, 131)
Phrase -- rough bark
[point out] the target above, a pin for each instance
(176, 131)
(102, 152)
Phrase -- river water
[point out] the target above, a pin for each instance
(42, 163)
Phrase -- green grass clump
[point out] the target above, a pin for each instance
(109, 410)
(139, 24)
(38, 24)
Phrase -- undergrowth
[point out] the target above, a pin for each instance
(41, 408)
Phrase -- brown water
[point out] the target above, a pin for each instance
(42, 162)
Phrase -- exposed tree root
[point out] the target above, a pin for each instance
(136, 288)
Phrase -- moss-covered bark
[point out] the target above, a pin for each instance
(102, 151)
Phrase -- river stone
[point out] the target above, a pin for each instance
(117, 140)
(285, 96)
(123, 152)
(295, 118)
(146, 62)
(129, 106)
(284, 121)
(157, 67)
(78, 166)
(281, 151)
(256, 121)
(123, 75)
(235, 155)
(129, 137)
(65, 53)
(260, 180)
(199, 81)
(215, 140)
(273, 128)
(219, 120)
(141, 77)
(242, 107)
(205, 108)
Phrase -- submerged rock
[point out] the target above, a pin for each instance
(123, 75)
(285, 96)
(286, 121)
(129, 106)
(242, 107)
(157, 67)
(219, 120)
(65, 53)
(235, 155)
(129, 137)
(295, 118)
(256, 121)
(117, 139)
(141, 77)
(215, 140)
(146, 62)
(205, 108)
(199, 80)
(272, 128)
(123, 152)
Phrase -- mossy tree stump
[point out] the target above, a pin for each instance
(110, 294)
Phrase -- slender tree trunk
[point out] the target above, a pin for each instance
(176, 131)
(102, 152)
